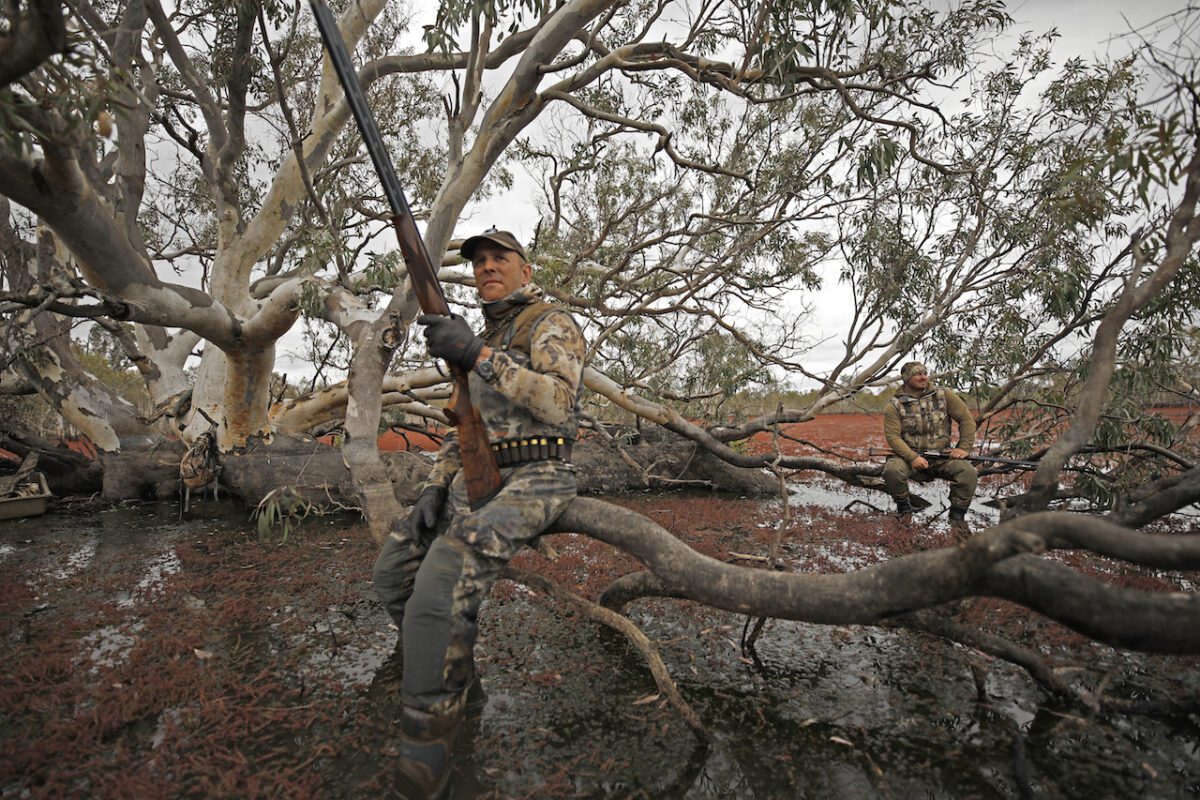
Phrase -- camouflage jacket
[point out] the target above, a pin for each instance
(538, 381)
(914, 423)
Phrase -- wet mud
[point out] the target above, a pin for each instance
(148, 656)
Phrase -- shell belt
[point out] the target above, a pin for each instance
(511, 452)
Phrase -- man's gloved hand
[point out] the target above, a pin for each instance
(451, 338)
(424, 516)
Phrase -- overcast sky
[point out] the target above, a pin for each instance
(1089, 28)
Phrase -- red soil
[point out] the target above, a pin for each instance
(393, 440)
(847, 435)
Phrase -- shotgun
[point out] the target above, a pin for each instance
(478, 462)
(981, 459)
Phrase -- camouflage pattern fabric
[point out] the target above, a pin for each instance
(535, 393)
(912, 424)
(434, 594)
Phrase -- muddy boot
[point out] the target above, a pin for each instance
(960, 531)
(904, 507)
(426, 741)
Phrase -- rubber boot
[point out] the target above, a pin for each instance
(959, 528)
(426, 741)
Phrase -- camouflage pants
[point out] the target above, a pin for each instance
(434, 594)
(960, 473)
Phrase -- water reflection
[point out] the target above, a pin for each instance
(813, 711)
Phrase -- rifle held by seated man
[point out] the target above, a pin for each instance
(941, 455)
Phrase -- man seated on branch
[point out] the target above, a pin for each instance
(916, 425)
(526, 377)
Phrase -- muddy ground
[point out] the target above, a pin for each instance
(148, 656)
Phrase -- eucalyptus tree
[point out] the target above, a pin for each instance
(630, 241)
(999, 276)
(164, 158)
(714, 180)
(705, 159)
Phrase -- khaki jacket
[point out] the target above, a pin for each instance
(912, 424)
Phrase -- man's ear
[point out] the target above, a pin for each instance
(527, 272)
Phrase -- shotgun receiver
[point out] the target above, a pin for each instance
(479, 464)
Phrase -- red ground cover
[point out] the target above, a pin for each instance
(848, 435)
(394, 440)
(202, 662)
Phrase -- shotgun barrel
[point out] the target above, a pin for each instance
(479, 464)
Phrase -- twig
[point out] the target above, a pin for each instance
(624, 625)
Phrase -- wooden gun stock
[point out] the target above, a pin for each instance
(479, 463)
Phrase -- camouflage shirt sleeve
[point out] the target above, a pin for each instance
(891, 434)
(447, 463)
(958, 411)
(549, 387)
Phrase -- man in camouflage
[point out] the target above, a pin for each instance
(916, 422)
(526, 371)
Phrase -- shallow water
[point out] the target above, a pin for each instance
(288, 631)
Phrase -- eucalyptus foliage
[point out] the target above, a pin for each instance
(707, 174)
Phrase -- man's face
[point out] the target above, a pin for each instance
(498, 272)
(917, 382)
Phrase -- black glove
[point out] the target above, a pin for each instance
(451, 339)
(424, 515)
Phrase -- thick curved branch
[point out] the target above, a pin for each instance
(1162, 497)
(993, 563)
(38, 34)
(61, 195)
(1181, 235)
